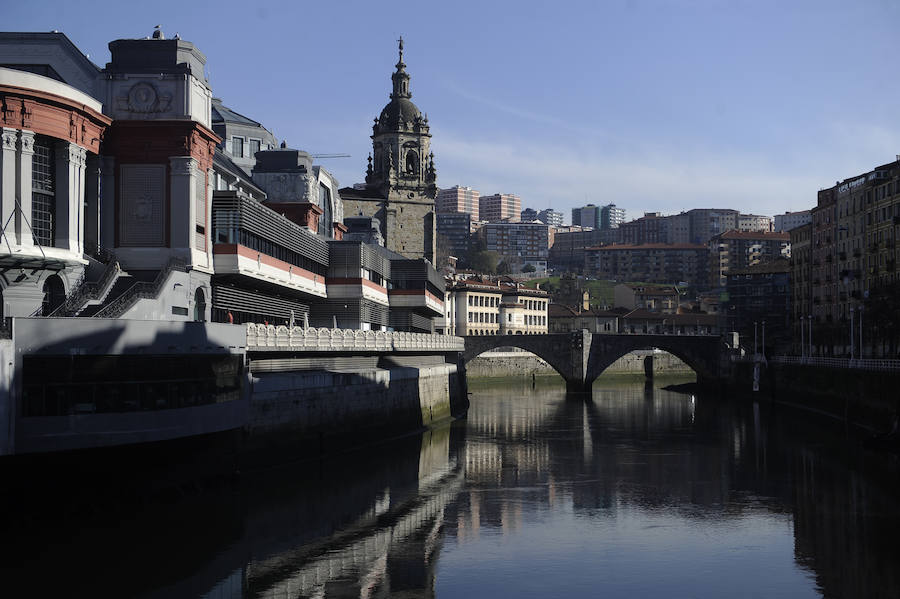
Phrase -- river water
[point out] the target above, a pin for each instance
(638, 492)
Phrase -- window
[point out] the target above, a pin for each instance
(237, 147)
(254, 147)
(43, 192)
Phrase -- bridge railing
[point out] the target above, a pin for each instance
(874, 364)
(275, 338)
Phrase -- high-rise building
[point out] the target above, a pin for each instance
(453, 231)
(754, 222)
(611, 216)
(500, 207)
(457, 199)
(586, 216)
(528, 215)
(551, 217)
(741, 249)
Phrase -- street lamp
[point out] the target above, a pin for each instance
(852, 310)
(802, 338)
(810, 336)
(861, 331)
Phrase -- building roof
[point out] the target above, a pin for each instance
(223, 114)
(563, 311)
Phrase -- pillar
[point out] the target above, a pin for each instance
(182, 207)
(8, 185)
(70, 171)
(23, 189)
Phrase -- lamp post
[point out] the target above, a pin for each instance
(810, 336)
(802, 339)
(852, 310)
(861, 331)
(764, 339)
(755, 351)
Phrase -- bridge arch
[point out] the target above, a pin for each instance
(552, 350)
(698, 352)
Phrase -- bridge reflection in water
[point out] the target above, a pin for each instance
(456, 511)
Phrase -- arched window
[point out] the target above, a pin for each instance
(54, 294)
(199, 305)
(412, 162)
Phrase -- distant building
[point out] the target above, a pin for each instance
(551, 217)
(652, 299)
(787, 221)
(650, 228)
(741, 249)
(564, 319)
(611, 216)
(457, 199)
(754, 222)
(518, 244)
(567, 254)
(454, 231)
(528, 215)
(500, 207)
(757, 294)
(651, 263)
(586, 216)
(801, 283)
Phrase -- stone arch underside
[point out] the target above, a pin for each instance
(696, 353)
(536, 344)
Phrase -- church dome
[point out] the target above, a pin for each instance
(397, 114)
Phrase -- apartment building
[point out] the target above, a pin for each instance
(500, 207)
(742, 249)
(477, 306)
(650, 263)
(458, 199)
(518, 244)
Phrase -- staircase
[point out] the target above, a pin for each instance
(122, 283)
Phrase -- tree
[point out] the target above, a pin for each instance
(529, 268)
(503, 268)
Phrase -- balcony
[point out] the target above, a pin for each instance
(842, 256)
(829, 258)
(857, 253)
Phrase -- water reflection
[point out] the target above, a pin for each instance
(638, 492)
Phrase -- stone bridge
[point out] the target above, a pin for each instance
(580, 357)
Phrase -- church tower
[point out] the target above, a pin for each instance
(400, 179)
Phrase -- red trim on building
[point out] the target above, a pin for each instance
(415, 292)
(242, 250)
(353, 281)
(52, 115)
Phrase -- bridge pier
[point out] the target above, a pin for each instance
(578, 386)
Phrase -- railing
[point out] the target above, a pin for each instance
(85, 292)
(276, 338)
(141, 290)
(874, 364)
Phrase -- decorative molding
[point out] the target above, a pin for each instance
(182, 165)
(144, 98)
(26, 142)
(9, 137)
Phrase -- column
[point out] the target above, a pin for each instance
(107, 199)
(182, 170)
(70, 168)
(23, 189)
(8, 186)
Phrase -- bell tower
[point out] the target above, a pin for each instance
(401, 170)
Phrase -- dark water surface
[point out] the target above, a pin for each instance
(639, 492)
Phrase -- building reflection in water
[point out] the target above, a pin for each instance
(378, 523)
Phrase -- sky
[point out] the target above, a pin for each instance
(653, 106)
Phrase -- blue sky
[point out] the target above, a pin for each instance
(654, 106)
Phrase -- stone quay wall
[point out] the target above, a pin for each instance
(520, 363)
(310, 413)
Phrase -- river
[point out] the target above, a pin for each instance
(638, 492)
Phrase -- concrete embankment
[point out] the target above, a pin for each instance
(867, 399)
(308, 413)
(518, 363)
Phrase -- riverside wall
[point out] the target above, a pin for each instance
(515, 363)
(861, 398)
(308, 413)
